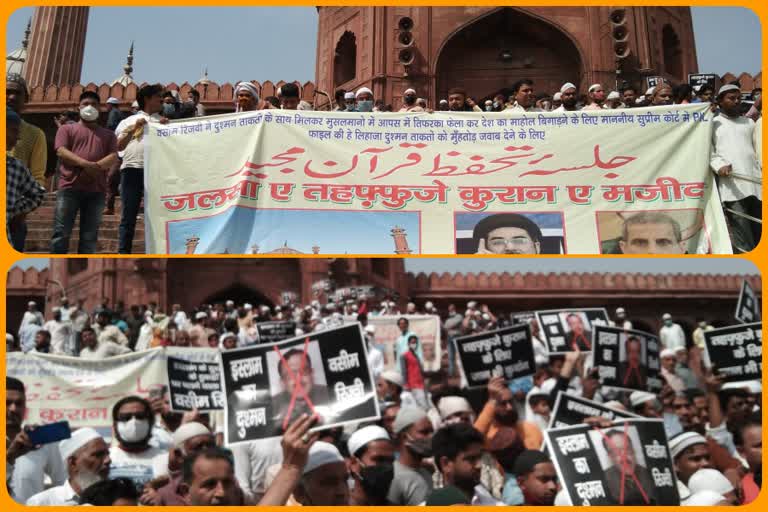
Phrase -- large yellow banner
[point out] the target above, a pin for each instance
(587, 182)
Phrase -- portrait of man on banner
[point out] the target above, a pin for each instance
(297, 384)
(577, 334)
(633, 371)
(627, 478)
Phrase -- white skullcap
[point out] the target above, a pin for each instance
(566, 86)
(200, 315)
(247, 306)
(488, 102)
(620, 310)
(80, 438)
(428, 305)
(31, 303)
(406, 417)
(363, 90)
(613, 95)
(227, 335)
(594, 87)
(548, 385)
(187, 431)
(391, 304)
(349, 95)
(753, 386)
(615, 404)
(230, 303)
(728, 87)
(562, 499)
(443, 102)
(667, 352)
(640, 99)
(8, 336)
(650, 91)
(365, 435)
(557, 97)
(703, 499)
(472, 304)
(370, 329)
(56, 309)
(640, 397)
(264, 308)
(322, 454)
(250, 88)
(666, 316)
(412, 91)
(135, 104)
(681, 442)
(709, 479)
(392, 376)
(113, 101)
(450, 405)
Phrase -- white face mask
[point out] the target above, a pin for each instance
(89, 113)
(133, 431)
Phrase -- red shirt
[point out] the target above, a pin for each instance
(413, 377)
(91, 144)
(751, 490)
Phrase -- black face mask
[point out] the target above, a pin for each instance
(410, 100)
(420, 447)
(375, 481)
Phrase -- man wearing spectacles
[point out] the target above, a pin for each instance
(507, 233)
(132, 456)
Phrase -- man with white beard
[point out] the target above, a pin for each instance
(86, 457)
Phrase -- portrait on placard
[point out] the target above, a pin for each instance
(653, 232)
(510, 233)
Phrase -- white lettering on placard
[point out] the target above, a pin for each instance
(244, 368)
(573, 443)
(662, 478)
(248, 419)
(355, 391)
(343, 362)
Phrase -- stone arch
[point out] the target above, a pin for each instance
(673, 52)
(487, 54)
(345, 59)
(239, 293)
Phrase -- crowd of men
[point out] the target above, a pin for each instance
(95, 163)
(436, 443)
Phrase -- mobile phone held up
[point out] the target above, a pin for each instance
(50, 433)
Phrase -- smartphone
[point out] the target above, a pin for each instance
(50, 433)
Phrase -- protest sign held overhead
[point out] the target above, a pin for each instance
(566, 330)
(324, 373)
(737, 351)
(408, 183)
(654, 81)
(573, 410)
(748, 306)
(628, 463)
(270, 332)
(504, 353)
(627, 359)
(195, 384)
(702, 79)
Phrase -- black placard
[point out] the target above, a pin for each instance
(279, 330)
(573, 410)
(628, 463)
(564, 329)
(700, 79)
(522, 317)
(195, 384)
(737, 351)
(748, 307)
(327, 373)
(654, 81)
(627, 359)
(504, 352)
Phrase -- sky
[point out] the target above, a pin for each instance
(641, 265)
(278, 43)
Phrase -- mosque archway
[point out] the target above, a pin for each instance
(489, 54)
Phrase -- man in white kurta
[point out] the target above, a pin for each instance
(671, 334)
(734, 160)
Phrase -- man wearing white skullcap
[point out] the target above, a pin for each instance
(568, 98)
(613, 100)
(596, 97)
(412, 483)
(188, 439)
(733, 152)
(671, 334)
(364, 100)
(375, 356)
(690, 453)
(557, 100)
(86, 457)
(409, 102)
(707, 479)
(455, 409)
(246, 97)
(370, 446)
(622, 320)
(668, 359)
(324, 479)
